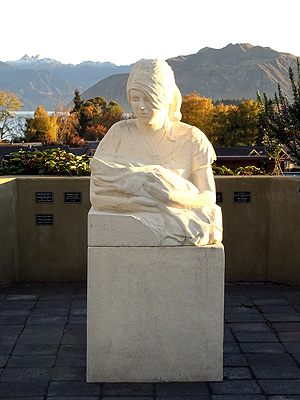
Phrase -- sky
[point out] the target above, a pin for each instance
(123, 32)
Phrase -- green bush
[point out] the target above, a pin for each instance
(48, 162)
(248, 170)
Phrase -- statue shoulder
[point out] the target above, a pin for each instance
(114, 138)
(181, 128)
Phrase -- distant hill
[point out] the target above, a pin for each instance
(233, 72)
(35, 87)
(83, 75)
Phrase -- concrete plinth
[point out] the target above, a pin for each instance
(155, 313)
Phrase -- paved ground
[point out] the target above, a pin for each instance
(43, 342)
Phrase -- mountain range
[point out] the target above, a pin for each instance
(234, 72)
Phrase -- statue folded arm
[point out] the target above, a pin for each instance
(147, 188)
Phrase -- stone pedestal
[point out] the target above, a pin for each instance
(154, 313)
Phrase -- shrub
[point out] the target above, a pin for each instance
(48, 162)
(246, 171)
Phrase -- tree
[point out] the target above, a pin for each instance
(280, 119)
(236, 126)
(197, 111)
(42, 127)
(68, 127)
(96, 117)
(10, 125)
(222, 125)
(78, 103)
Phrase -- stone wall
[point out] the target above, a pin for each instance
(261, 237)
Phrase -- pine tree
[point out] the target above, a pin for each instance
(280, 119)
(78, 103)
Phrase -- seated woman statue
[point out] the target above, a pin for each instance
(155, 167)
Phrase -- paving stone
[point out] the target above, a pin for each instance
(235, 387)
(276, 309)
(77, 319)
(23, 398)
(68, 374)
(8, 339)
(38, 312)
(10, 329)
(32, 349)
(284, 398)
(3, 360)
(250, 327)
(237, 397)
(71, 350)
(72, 398)
(256, 337)
(17, 305)
(237, 373)
(75, 329)
(73, 388)
(78, 311)
(127, 389)
(282, 317)
(23, 389)
(166, 398)
(54, 304)
(47, 319)
(292, 347)
(265, 372)
(8, 320)
(231, 348)
(234, 360)
(6, 349)
(8, 312)
(79, 303)
(289, 336)
(136, 398)
(22, 297)
(242, 309)
(176, 389)
(262, 348)
(31, 361)
(296, 356)
(26, 374)
(264, 294)
(229, 338)
(278, 387)
(286, 326)
(244, 317)
(271, 360)
(71, 338)
(40, 339)
(70, 361)
(237, 301)
(43, 329)
(271, 302)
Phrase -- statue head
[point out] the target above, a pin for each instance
(155, 78)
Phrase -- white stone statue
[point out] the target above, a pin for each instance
(156, 168)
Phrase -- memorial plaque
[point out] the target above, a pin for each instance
(44, 219)
(242, 197)
(44, 197)
(72, 197)
(219, 197)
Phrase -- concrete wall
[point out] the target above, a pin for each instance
(261, 238)
(44, 253)
(8, 233)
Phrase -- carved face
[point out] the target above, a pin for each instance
(145, 110)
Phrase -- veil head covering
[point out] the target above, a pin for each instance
(156, 78)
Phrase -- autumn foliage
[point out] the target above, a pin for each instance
(224, 125)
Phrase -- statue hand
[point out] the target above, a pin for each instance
(159, 193)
